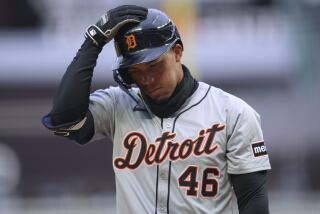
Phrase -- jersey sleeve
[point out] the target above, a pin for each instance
(246, 150)
(102, 107)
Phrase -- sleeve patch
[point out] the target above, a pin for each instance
(259, 149)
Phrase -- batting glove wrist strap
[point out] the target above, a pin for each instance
(98, 37)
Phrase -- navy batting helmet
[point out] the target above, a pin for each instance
(143, 42)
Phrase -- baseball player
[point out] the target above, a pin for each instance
(179, 145)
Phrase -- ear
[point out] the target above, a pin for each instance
(177, 49)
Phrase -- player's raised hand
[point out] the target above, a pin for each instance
(109, 24)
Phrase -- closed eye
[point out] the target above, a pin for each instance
(132, 70)
(154, 65)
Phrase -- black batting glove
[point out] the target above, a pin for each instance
(110, 23)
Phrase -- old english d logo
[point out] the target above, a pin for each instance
(131, 41)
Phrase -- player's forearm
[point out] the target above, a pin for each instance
(251, 192)
(72, 99)
(257, 204)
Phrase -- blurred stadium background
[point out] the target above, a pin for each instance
(264, 51)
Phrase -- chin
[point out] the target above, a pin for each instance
(160, 99)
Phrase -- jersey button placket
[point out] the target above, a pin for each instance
(162, 205)
(163, 174)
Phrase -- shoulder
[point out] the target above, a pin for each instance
(226, 100)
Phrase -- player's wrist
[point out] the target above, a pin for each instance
(95, 34)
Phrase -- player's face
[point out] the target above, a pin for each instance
(159, 78)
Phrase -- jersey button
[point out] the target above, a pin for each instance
(163, 175)
(168, 125)
(163, 209)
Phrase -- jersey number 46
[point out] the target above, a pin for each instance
(209, 182)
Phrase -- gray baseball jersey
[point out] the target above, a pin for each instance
(179, 164)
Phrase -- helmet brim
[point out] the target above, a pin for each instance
(142, 56)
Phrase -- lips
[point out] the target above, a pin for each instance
(153, 91)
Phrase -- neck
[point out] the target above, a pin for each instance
(184, 89)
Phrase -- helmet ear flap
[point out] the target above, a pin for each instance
(125, 86)
(118, 78)
(126, 78)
